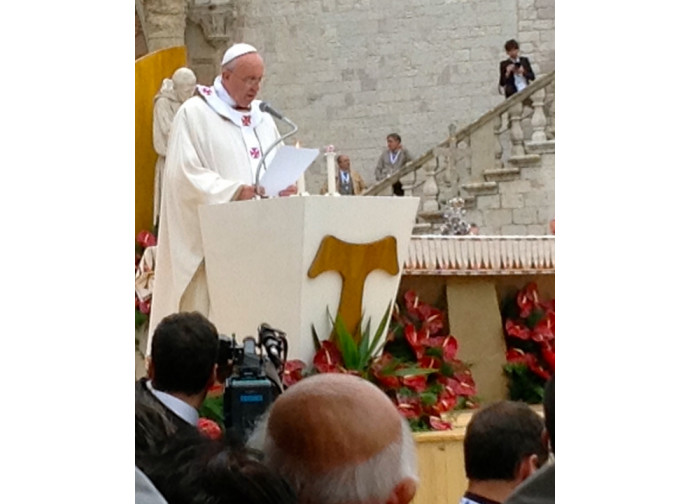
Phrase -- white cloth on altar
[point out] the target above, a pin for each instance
(213, 149)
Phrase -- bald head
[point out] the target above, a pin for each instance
(331, 419)
(338, 439)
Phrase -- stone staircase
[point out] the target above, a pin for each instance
(502, 165)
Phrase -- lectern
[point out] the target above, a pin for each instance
(261, 262)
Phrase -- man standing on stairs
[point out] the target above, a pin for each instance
(515, 72)
(392, 159)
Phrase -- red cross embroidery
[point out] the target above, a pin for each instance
(254, 152)
(206, 90)
(246, 120)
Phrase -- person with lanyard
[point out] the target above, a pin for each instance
(347, 181)
(215, 146)
(515, 72)
(394, 157)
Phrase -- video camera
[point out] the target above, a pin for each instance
(253, 379)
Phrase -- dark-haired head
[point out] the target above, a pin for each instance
(192, 469)
(183, 353)
(511, 44)
(499, 438)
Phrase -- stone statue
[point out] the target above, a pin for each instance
(172, 94)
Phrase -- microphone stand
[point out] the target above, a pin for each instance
(262, 161)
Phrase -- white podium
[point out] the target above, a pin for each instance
(258, 255)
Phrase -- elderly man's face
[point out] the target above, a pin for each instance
(344, 163)
(243, 82)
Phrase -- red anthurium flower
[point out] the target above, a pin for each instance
(416, 339)
(517, 330)
(460, 384)
(446, 402)
(328, 358)
(409, 407)
(545, 328)
(136, 302)
(438, 424)
(448, 344)
(293, 372)
(527, 299)
(416, 383)
(411, 302)
(432, 318)
(145, 306)
(209, 428)
(518, 356)
(429, 362)
(146, 239)
(539, 370)
(550, 358)
(385, 380)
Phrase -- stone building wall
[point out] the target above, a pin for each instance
(349, 72)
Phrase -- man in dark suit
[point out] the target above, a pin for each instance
(182, 369)
(516, 72)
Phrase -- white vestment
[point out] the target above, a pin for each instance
(213, 149)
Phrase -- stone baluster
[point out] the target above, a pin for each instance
(516, 135)
(498, 148)
(408, 182)
(551, 108)
(430, 188)
(538, 118)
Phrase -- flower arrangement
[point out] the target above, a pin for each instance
(418, 367)
(529, 325)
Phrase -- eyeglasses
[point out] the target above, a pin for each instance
(250, 81)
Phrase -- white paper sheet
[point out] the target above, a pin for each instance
(287, 166)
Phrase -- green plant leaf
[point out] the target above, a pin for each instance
(379, 332)
(428, 398)
(363, 349)
(413, 371)
(212, 408)
(315, 338)
(346, 345)
(434, 352)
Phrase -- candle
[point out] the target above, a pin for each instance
(301, 186)
(330, 169)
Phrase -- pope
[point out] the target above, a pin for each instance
(216, 142)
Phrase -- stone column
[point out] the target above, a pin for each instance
(164, 23)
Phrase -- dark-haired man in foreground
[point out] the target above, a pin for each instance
(505, 443)
(540, 488)
(181, 370)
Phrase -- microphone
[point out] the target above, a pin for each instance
(266, 107)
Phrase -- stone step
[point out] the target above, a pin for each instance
(480, 188)
(502, 174)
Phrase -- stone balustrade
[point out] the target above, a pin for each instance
(472, 162)
(480, 255)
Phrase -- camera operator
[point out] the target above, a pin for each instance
(182, 369)
(516, 71)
